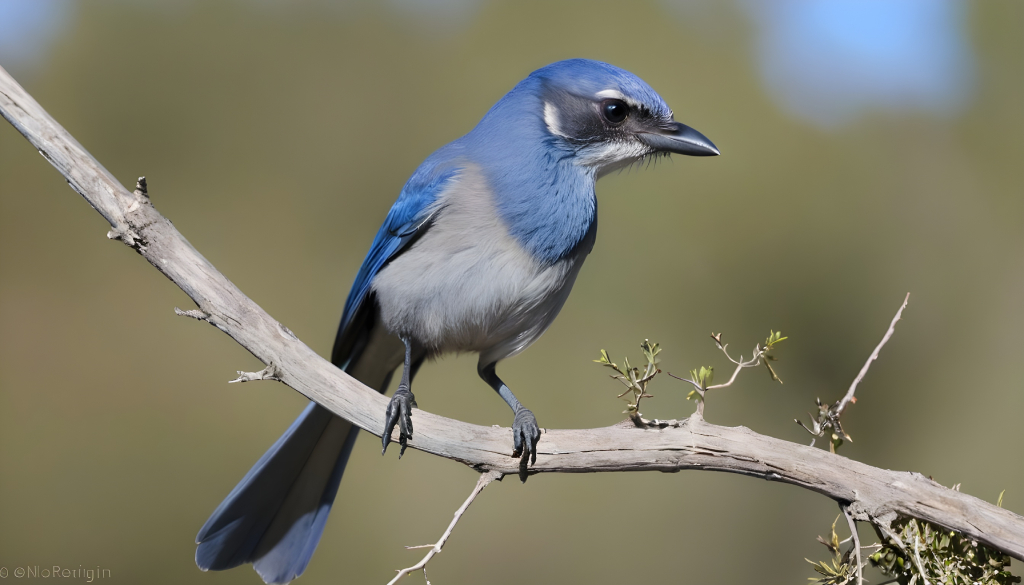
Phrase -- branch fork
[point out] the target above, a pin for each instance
(701, 378)
(484, 481)
(828, 416)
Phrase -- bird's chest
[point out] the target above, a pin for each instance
(469, 284)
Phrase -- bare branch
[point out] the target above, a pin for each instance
(871, 493)
(484, 481)
(874, 356)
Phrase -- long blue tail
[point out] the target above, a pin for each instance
(275, 516)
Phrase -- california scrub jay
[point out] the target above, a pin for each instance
(477, 255)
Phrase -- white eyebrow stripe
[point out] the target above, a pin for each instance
(611, 93)
(617, 95)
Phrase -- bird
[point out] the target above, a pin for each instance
(477, 254)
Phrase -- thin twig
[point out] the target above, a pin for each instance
(687, 380)
(856, 542)
(732, 379)
(828, 417)
(755, 360)
(874, 356)
(484, 481)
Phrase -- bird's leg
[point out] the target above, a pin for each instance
(525, 432)
(399, 411)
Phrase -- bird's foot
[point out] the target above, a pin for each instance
(399, 412)
(525, 435)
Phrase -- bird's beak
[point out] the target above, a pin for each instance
(680, 139)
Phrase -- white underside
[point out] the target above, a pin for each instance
(467, 285)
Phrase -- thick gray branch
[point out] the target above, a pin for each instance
(870, 493)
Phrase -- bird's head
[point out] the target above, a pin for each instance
(607, 116)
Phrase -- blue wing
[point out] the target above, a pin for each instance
(409, 216)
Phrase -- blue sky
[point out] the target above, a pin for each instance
(27, 29)
(830, 61)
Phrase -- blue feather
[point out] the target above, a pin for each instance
(407, 217)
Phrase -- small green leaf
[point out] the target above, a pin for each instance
(774, 337)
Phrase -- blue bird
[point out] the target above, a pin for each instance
(478, 254)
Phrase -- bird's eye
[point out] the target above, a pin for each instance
(615, 111)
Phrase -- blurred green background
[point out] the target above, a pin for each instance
(276, 136)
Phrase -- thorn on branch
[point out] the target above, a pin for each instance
(141, 195)
(197, 314)
(268, 373)
(141, 187)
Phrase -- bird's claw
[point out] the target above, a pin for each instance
(525, 436)
(399, 412)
